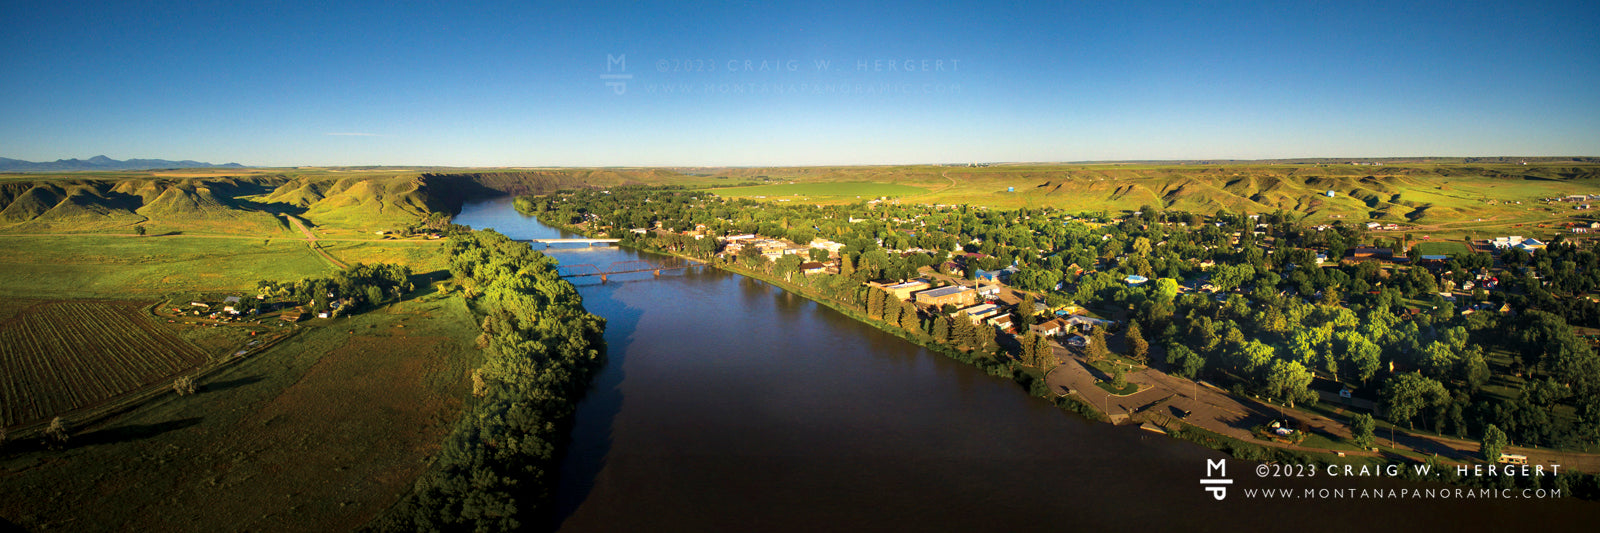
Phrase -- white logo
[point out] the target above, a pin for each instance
(1216, 481)
(620, 63)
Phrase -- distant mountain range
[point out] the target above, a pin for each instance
(101, 162)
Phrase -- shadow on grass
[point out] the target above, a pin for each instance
(230, 384)
(130, 433)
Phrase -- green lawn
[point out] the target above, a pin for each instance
(1442, 247)
(1124, 391)
(827, 189)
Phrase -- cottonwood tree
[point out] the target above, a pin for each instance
(1406, 396)
(1361, 426)
(1494, 441)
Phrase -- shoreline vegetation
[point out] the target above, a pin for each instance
(497, 470)
(988, 357)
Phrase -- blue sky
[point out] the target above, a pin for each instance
(743, 83)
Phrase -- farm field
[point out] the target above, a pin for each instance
(825, 189)
(57, 356)
(320, 432)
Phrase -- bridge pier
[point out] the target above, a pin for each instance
(602, 278)
(658, 272)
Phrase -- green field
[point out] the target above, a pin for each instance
(861, 189)
(126, 267)
(1442, 248)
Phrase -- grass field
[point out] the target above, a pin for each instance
(864, 190)
(57, 356)
(1442, 248)
(118, 267)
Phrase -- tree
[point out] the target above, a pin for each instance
(1406, 396)
(1119, 377)
(1493, 442)
(1097, 344)
(985, 337)
(1361, 426)
(941, 329)
(909, 320)
(1026, 310)
(875, 301)
(1138, 349)
(138, 230)
(57, 431)
(184, 385)
(1290, 380)
(1044, 353)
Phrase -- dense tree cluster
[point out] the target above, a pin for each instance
(358, 286)
(496, 471)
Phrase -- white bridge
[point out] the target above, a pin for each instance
(590, 242)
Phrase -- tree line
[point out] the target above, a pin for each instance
(497, 469)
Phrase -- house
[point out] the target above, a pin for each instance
(1001, 322)
(988, 291)
(200, 304)
(1084, 323)
(992, 276)
(830, 246)
(1050, 328)
(1135, 279)
(1329, 194)
(956, 295)
(812, 267)
(903, 291)
(231, 300)
(1078, 341)
(978, 313)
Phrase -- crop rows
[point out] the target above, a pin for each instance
(60, 356)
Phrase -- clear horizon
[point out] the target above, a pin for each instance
(623, 84)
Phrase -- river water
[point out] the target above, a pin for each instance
(731, 405)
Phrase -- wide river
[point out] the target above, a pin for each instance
(731, 405)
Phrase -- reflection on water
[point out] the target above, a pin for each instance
(730, 405)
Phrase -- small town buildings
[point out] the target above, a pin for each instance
(1135, 279)
(956, 295)
(1083, 323)
(978, 313)
(903, 291)
(812, 267)
(1002, 322)
(1051, 328)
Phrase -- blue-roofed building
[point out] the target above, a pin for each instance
(1135, 279)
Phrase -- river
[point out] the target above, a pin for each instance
(732, 405)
